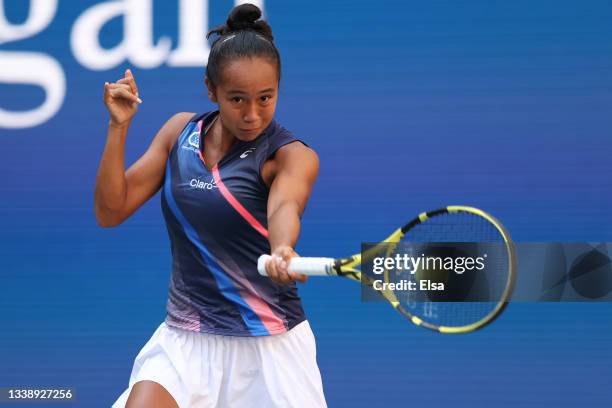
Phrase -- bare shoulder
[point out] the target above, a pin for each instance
(170, 131)
(296, 153)
(294, 157)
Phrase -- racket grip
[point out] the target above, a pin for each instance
(305, 265)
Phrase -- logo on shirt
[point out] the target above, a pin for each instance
(203, 185)
(193, 142)
(194, 139)
(246, 153)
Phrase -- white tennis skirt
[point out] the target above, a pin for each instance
(202, 370)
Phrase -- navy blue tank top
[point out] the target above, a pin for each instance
(217, 224)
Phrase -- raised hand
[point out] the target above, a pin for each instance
(121, 99)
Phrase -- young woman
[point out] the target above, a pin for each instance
(234, 186)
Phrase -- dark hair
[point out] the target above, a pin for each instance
(243, 35)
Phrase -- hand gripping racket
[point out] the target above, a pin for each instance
(455, 225)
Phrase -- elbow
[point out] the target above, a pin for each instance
(105, 219)
(105, 223)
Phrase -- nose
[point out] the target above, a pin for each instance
(250, 113)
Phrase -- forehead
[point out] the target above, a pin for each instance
(249, 74)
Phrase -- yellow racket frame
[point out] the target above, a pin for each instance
(348, 268)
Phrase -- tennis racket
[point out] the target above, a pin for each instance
(446, 229)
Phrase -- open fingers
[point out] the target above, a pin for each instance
(128, 80)
(131, 81)
(121, 91)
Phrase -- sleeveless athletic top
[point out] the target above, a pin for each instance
(217, 224)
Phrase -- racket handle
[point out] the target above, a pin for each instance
(305, 265)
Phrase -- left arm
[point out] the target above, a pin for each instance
(296, 167)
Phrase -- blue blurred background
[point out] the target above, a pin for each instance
(503, 105)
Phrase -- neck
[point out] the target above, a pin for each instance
(219, 138)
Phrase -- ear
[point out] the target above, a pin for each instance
(211, 90)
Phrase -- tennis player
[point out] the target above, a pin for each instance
(234, 185)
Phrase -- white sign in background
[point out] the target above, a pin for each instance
(138, 47)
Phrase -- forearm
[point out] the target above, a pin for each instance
(284, 226)
(111, 186)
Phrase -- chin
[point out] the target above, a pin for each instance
(249, 135)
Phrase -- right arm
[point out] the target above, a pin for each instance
(119, 193)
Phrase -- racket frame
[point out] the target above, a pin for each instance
(347, 267)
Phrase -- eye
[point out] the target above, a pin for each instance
(266, 98)
(236, 99)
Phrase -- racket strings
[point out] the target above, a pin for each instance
(467, 297)
(454, 227)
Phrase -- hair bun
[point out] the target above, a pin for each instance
(253, 38)
(243, 17)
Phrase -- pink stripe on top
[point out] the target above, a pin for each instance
(269, 319)
(228, 196)
(237, 206)
(273, 324)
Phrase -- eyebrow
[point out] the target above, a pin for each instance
(238, 92)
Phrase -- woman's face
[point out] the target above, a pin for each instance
(246, 94)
